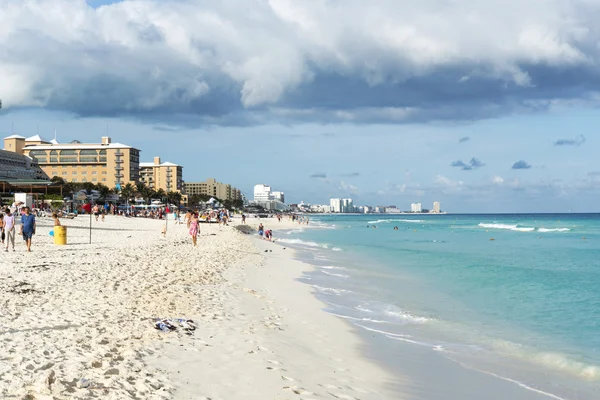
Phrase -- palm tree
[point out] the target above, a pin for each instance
(174, 198)
(103, 190)
(127, 191)
(160, 194)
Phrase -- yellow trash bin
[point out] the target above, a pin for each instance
(60, 235)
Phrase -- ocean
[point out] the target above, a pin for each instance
(514, 296)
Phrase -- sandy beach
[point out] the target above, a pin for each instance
(78, 320)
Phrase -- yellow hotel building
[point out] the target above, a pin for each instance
(108, 163)
(166, 175)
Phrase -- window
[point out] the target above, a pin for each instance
(53, 156)
(64, 173)
(39, 156)
(94, 179)
(74, 172)
(103, 179)
(103, 172)
(94, 172)
(88, 156)
(68, 156)
(83, 172)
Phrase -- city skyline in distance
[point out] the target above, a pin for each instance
(478, 126)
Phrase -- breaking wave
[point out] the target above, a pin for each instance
(518, 228)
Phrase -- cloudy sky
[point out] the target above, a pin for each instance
(485, 106)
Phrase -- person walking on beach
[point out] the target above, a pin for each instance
(243, 218)
(9, 228)
(188, 218)
(2, 234)
(96, 211)
(27, 227)
(194, 227)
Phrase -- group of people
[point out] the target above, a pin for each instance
(266, 234)
(296, 218)
(8, 226)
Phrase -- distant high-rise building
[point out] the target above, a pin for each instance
(263, 196)
(335, 205)
(211, 187)
(262, 192)
(279, 196)
(436, 207)
(347, 206)
(416, 207)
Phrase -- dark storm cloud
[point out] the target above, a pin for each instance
(578, 141)
(194, 62)
(521, 164)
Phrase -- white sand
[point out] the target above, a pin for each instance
(77, 319)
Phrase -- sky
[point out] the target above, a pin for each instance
(484, 106)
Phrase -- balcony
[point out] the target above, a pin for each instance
(119, 161)
(119, 154)
(118, 168)
(118, 175)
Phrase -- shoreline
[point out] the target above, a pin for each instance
(502, 374)
(275, 339)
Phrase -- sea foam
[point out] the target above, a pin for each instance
(518, 228)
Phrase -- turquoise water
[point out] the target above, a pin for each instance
(526, 302)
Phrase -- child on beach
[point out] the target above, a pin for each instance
(9, 228)
(56, 220)
(194, 227)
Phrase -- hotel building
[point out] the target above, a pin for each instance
(17, 168)
(111, 164)
(211, 187)
(166, 176)
(416, 208)
(436, 207)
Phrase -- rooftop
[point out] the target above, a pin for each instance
(164, 164)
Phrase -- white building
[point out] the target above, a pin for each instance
(436, 207)
(278, 196)
(416, 208)
(366, 209)
(262, 193)
(379, 209)
(335, 205)
(392, 210)
(264, 197)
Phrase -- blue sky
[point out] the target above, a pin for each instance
(403, 104)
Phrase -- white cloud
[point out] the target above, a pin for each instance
(141, 55)
(498, 180)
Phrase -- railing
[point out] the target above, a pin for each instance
(119, 175)
(119, 161)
